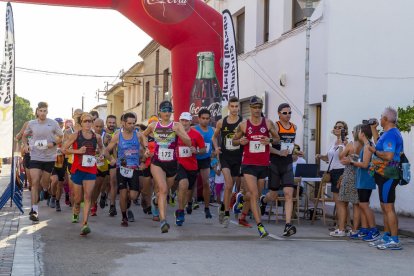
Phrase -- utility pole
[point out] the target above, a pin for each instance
(83, 100)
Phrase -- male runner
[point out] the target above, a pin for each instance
(110, 129)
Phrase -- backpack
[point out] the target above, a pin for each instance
(405, 171)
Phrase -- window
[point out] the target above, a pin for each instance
(147, 99)
(266, 20)
(165, 84)
(240, 33)
(298, 18)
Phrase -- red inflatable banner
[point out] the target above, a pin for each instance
(185, 27)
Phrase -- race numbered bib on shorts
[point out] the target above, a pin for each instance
(184, 152)
(59, 151)
(88, 161)
(256, 147)
(40, 144)
(287, 146)
(165, 154)
(126, 172)
(230, 146)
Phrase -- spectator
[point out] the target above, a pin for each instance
(297, 158)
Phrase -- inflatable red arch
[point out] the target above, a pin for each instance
(185, 27)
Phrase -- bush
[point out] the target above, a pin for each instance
(405, 118)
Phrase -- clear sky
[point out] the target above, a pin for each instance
(70, 40)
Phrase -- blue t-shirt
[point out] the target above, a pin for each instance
(390, 141)
(208, 136)
(363, 179)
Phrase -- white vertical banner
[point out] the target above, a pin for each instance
(7, 88)
(230, 67)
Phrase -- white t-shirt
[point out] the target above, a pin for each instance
(300, 160)
(333, 154)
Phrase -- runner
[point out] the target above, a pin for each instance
(26, 155)
(58, 174)
(281, 167)
(204, 159)
(110, 129)
(230, 156)
(46, 134)
(127, 163)
(256, 134)
(103, 169)
(187, 165)
(164, 161)
(85, 143)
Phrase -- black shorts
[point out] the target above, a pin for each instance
(233, 164)
(204, 163)
(386, 188)
(46, 166)
(170, 167)
(26, 161)
(281, 175)
(102, 173)
(335, 175)
(111, 167)
(182, 173)
(146, 172)
(124, 182)
(261, 172)
(60, 172)
(364, 195)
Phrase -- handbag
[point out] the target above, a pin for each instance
(326, 177)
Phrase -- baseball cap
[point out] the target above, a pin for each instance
(59, 120)
(186, 116)
(165, 106)
(256, 100)
(153, 119)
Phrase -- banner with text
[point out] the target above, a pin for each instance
(230, 67)
(7, 88)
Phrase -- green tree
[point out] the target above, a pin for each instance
(405, 118)
(22, 113)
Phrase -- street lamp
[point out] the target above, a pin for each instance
(308, 7)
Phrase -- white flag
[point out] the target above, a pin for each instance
(7, 88)
(230, 67)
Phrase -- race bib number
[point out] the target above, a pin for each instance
(208, 145)
(166, 154)
(184, 152)
(58, 151)
(88, 161)
(41, 144)
(230, 146)
(125, 172)
(256, 147)
(287, 146)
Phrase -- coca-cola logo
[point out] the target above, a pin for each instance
(214, 108)
(169, 11)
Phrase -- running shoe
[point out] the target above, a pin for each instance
(238, 205)
(85, 230)
(179, 217)
(262, 205)
(337, 233)
(154, 210)
(52, 202)
(207, 213)
(189, 208)
(112, 211)
(226, 221)
(391, 245)
(93, 211)
(262, 231)
(130, 216)
(124, 222)
(102, 201)
(164, 226)
(147, 210)
(245, 223)
(67, 201)
(196, 205)
(58, 209)
(289, 230)
(355, 235)
(220, 215)
(382, 240)
(372, 236)
(75, 218)
(34, 216)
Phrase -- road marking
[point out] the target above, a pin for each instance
(279, 238)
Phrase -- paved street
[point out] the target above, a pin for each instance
(199, 247)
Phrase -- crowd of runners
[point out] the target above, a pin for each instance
(90, 162)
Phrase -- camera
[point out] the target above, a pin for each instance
(369, 122)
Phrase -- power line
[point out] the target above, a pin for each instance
(371, 76)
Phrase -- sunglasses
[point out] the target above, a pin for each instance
(166, 109)
(338, 127)
(87, 121)
(286, 113)
(256, 106)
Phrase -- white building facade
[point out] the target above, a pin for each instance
(360, 62)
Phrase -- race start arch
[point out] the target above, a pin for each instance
(185, 27)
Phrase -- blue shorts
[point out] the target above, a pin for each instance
(78, 177)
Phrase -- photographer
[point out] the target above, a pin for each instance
(385, 164)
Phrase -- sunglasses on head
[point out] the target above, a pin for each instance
(286, 113)
(166, 109)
